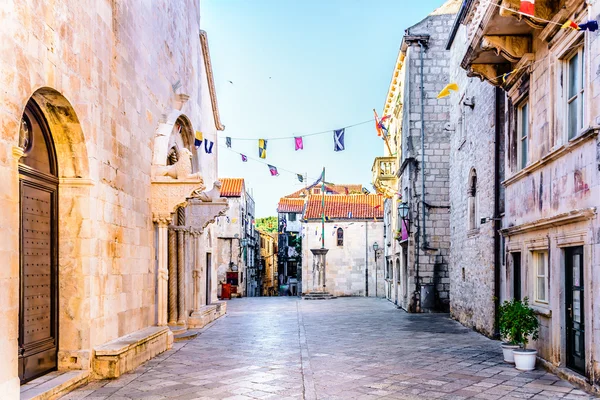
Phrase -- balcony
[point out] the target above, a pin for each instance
(384, 173)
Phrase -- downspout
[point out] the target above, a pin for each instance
(423, 146)
(366, 258)
(497, 222)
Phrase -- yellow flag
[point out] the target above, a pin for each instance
(446, 90)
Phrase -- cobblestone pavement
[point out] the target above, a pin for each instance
(347, 348)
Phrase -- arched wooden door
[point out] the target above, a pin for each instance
(38, 292)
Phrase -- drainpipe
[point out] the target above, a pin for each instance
(497, 222)
(423, 146)
(366, 258)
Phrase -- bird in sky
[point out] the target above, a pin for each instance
(230, 82)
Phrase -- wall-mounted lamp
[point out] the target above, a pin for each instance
(469, 102)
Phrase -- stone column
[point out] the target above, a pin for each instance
(319, 263)
(163, 271)
(172, 276)
(180, 277)
(196, 273)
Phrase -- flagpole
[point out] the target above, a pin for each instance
(323, 210)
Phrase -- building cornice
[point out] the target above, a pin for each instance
(211, 81)
(548, 222)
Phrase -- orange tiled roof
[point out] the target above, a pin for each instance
(232, 187)
(287, 205)
(336, 188)
(362, 206)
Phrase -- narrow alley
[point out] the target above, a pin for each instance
(347, 348)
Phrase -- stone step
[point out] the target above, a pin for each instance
(53, 385)
(318, 296)
(178, 329)
(187, 335)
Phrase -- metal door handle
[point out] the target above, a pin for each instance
(570, 311)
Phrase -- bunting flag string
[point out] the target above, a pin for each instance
(298, 144)
(228, 141)
(300, 177)
(338, 140)
(208, 146)
(527, 9)
(273, 170)
(198, 139)
(262, 148)
(244, 158)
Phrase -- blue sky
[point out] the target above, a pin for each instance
(299, 67)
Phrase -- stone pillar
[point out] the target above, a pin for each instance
(163, 270)
(172, 276)
(319, 263)
(180, 277)
(196, 273)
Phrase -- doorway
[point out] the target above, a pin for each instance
(575, 321)
(208, 277)
(516, 258)
(38, 247)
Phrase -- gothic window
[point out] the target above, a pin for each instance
(340, 237)
(472, 200)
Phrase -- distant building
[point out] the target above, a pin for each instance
(268, 263)
(238, 242)
(289, 218)
(354, 224)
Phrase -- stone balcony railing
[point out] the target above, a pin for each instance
(384, 172)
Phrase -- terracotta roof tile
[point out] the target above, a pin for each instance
(361, 206)
(232, 187)
(335, 188)
(287, 205)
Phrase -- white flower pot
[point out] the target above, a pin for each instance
(507, 351)
(525, 359)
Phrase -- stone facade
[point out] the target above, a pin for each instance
(552, 183)
(474, 181)
(422, 258)
(109, 81)
(268, 260)
(346, 269)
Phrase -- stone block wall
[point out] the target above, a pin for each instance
(472, 152)
(103, 73)
(346, 265)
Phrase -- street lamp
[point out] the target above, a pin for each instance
(403, 211)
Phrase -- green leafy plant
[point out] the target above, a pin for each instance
(518, 322)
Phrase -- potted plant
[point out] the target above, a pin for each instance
(517, 323)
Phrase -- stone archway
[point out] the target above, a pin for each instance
(64, 132)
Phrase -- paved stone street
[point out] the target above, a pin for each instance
(348, 348)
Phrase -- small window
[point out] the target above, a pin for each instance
(340, 237)
(316, 191)
(575, 72)
(523, 134)
(472, 200)
(292, 217)
(540, 265)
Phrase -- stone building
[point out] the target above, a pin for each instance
(98, 99)
(289, 217)
(354, 224)
(268, 262)
(238, 242)
(552, 180)
(422, 141)
(476, 124)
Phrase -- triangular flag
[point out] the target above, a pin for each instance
(198, 139)
(244, 158)
(570, 24)
(300, 177)
(527, 7)
(262, 148)
(591, 26)
(338, 140)
(299, 145)
(446, 90)
(228, 141)
(208, 145)
(273, 170)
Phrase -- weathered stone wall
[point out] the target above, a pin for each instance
(471, 152)
(103, 73)
(226, 228)
(345, 270)
(432, 262)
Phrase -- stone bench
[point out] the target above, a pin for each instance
(207, 314)
(126, 353)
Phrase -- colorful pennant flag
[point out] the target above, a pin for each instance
(570, 24)
(591, 26)
(198, 139)
(377, 206)
(377, 123)
(262, 148)
(228, 141)
(273, 170)
(299, 145)
(244, 158)
(506, 75)
(365, 191)
(300, 177)
(446, 90)
(208, 146)
(346, 189)
(527, 7)
(349, 214)
(338, 140)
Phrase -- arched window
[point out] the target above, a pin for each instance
(472, 200)
(340, 237)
